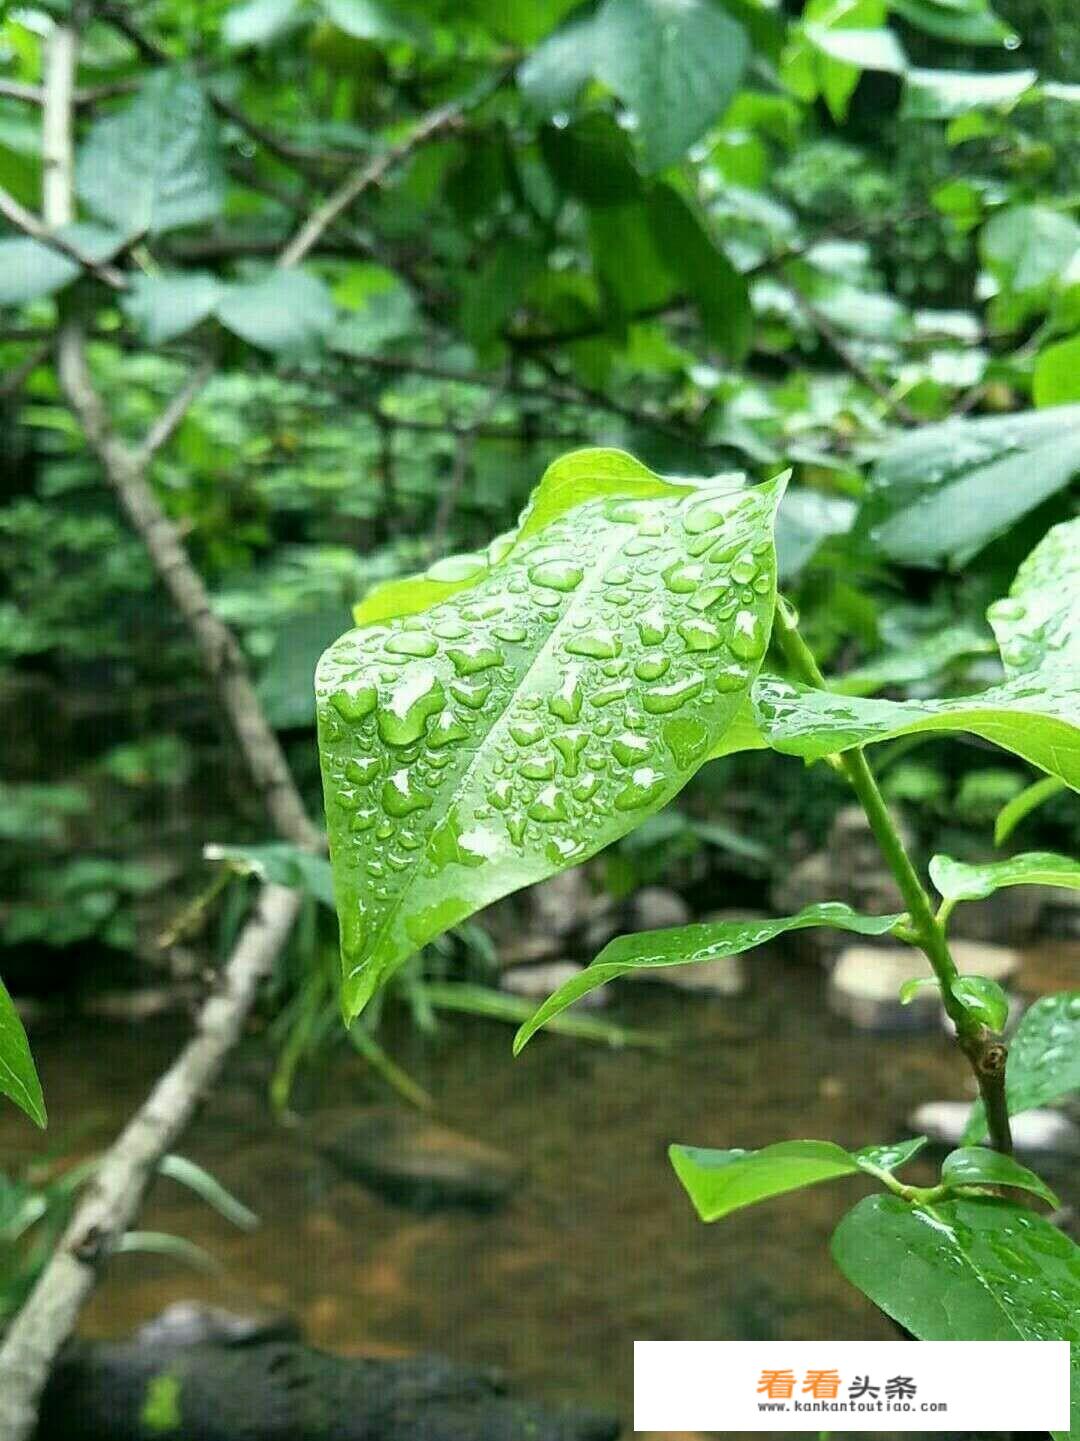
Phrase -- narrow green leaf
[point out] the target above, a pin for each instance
(1044, 1059)
(980, 1166)
(984, 999)
(155, 165)
(541, 711)
(18, 1074)
(967, 22)
(916, 986)
(1020, 807)
(1007, 1274)
(958, 881)
(719, 1182)
(209, 1189)
(474, 1000)
(1039, 720)
(689, 945)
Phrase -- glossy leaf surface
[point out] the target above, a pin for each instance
(958, 881)
(966, 1270)
(565, 686)
(689, 945)
(947, 490)
(1020, 807)
(980, 1166)
(1038, 719)
(984, 999)
(1036, 623)
(719, 1182)
(18, 1075)
(1044, 1059)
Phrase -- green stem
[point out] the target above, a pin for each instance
(986, 1054)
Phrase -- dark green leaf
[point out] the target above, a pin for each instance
(683, 238)
(1044, 1059)
(1021, 806)
(568, 685)
(18, 1075)
(675, 65)
(156, 164)
(979, 1166)
(592, 159)
(966, 1270)
(688, 945)
(983, 999)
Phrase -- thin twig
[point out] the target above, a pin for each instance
(847, 356)
(26, 221)
(170, 419)
(14, 380)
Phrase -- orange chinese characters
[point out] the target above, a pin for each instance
(777, 1385)
(822, 1385)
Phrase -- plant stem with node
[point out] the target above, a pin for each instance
(986, 1052)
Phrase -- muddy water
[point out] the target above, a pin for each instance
(597, 1248)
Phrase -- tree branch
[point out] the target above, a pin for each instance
(26, 221)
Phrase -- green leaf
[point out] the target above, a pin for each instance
(258, 22)
(689, 250)
(675, 63)
(592, 159)
(980, 1166)
(281, 864)
(542, 709)
(870, 49)
(1057, 373)
(552, 77)
(1039, 721)
(1035, 625)
(983, 999)
(30, 269)
(967, 22)
(1044, 1059)
(689, 945)
(373, 20)
(943, 94)
(1021, 806)
(165, 306)
(1028, 246)
(1008, 1275)
(958, 881)
(916, 986)
(287, 310)
(947, 490)
(807, 518)
(18, 1075)
(156, 165)
(719, 1182)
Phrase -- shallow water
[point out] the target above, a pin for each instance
(599, 1245)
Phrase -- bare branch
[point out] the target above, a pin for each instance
(847, 356)
(171, 418)
(20, 90)
(26, 221)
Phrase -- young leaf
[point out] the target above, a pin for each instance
(155, 165)
(281, 864)
(1007, 1274)
(1021, 806)
(719, 1182)
(688, 945)
(1044, 1059)
(945, 491)
(1037, 719)
(979, 1166)
(18, 1075)
(984, 999)
(958, 881)
(565, 689)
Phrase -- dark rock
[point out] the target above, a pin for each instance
(107, 1391)
(416, 1162)
(194, 1323)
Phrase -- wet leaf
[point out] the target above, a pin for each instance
(983, 999)
(18, 1075)
(945, 491)
(958, 881)
(1044, 1059)
(719, 1182)
(1035, 624)
(562, 687)
(1021, 806)
(966, 1270)
(980, 1166)
(690, 945)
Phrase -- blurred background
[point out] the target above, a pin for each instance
(723, 236)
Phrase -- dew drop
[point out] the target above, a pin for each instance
(361, 770)
(527, 732)
(644, 788)
(549, 806)
(598, 642)
(700, 635)
(355, 703)
(663, 699)
(747, 639)
(744, 569)
(412, 643)
(652, 665)
(415, 698)
(474, 657)
(471, 693)
(556, 575)
(682, 577)
(566, 702)
(400, 797)
(537, 768)
(630, 749)
(570, 745)
(653, 627)
(447, 731)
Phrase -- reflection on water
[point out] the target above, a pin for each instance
(597, 1248)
